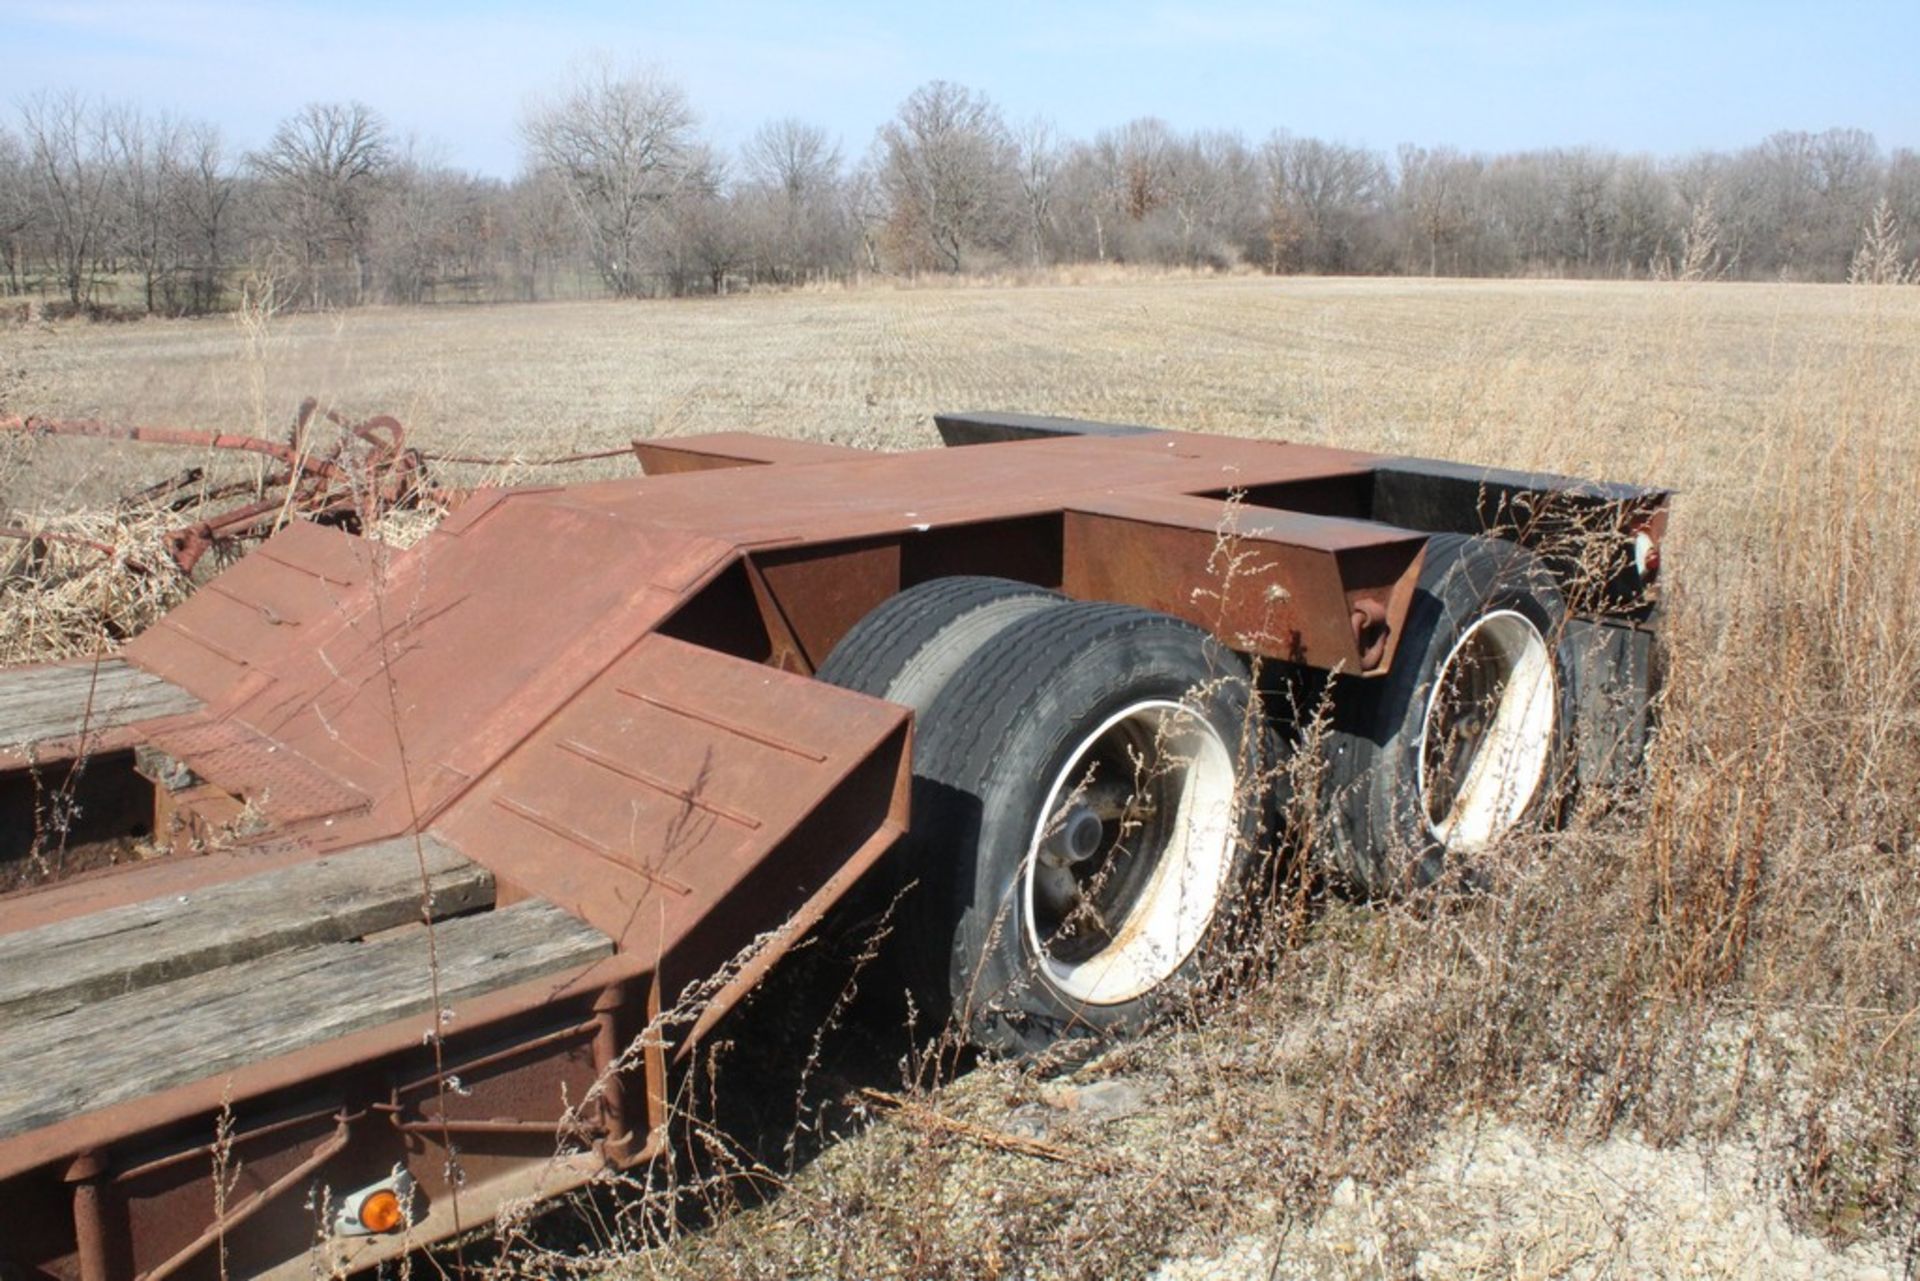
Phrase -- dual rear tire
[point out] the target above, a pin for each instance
(1467, 738)
(1090, 780)
(1086, 803)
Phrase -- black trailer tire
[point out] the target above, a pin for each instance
(1467, 738)
(1087, 808)
(905, 650)
(908, 647)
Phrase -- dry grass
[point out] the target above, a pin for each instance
(1627, 380)
(1726, 957)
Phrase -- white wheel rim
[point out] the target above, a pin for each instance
(1487, 733)
(1111, 926)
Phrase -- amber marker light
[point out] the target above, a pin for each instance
(382, 1212)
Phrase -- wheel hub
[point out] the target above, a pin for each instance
(1131, 853)
(1487, 735)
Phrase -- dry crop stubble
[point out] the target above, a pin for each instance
(1724, 957)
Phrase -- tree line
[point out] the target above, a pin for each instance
(621, 194)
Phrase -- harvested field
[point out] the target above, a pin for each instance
(1630, 381)
(1712, 982)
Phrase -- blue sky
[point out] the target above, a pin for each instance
(1663, 78)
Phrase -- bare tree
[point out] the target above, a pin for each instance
(1209, 183)
(543, 233)
(322, 172)
(791, 156)
(1581, 178)
(1520, 205)
(1903, 186)
(427, 230)
(866, 205)
(204, 200)
(947, 164)
(1123, 182)
(1644, 215)
(1791, 204)
(16, 212)
(789, 210)
(1433, 193)
(71, 165)
(619, 190)
(1326, 199)
(1849, 180)
(1087, 198)
(1039, 147)
(622, 149)
(148, 160)
(1142, 151)
(710, 239)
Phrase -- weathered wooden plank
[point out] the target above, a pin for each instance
(41, 704)
(131, 1046)
(62, 966)
(37, 708)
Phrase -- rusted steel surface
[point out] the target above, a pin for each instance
(867, 494)
(662, 790)
(600, 694)
(819, 593)
(230, 1218)
(1278, 580)
(988, 427)
(664, 456)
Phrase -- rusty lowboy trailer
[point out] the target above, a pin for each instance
(431, 835)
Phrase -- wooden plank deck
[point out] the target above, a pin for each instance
(58, 968)
(65, 700)
(131, 1046)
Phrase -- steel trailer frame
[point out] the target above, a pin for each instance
(573, 735)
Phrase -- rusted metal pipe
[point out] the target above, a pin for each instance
(204, 1151)
(434, 1125)
(87, 1174)
(193, 438)
(74, 540)
(606, 1069)
(368, 472)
